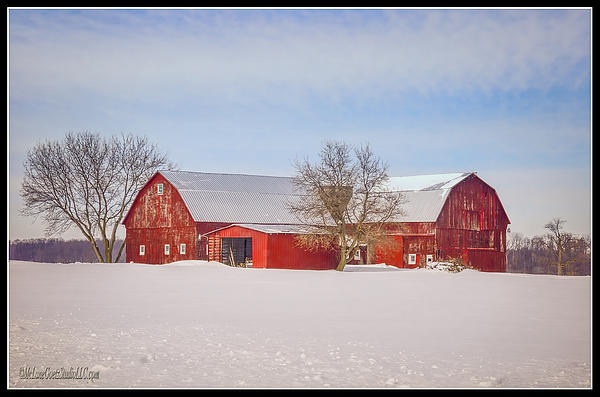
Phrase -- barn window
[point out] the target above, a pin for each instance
(429, 258)
(182, 249)
(167, 249)
(159, 189)
(142, 250)
(412, 259)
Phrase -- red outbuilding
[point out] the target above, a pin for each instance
(266, 246)
(181, 215)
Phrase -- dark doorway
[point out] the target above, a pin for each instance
(236, 249)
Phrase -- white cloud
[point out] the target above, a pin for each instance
(443, 52)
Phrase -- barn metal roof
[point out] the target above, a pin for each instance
(203, 181)
(426, 182)
(256, 199)
(269, 229)
(238, 207)
(422, 205)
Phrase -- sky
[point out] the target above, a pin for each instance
(505, 93)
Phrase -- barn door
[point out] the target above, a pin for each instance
(236, 250)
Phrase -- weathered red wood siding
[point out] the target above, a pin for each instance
(284, 253)
(472, 226)
(155, 220)
(410, 238)
(277, 250)
(391, 254)
(259, 244)
(204, 245)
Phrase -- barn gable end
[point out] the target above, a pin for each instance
(472, 226)
(157, 219)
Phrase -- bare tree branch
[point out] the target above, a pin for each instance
(88, 181)
(343, 201)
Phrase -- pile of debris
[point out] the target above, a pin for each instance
(451, 266)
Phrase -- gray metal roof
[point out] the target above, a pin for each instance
(422, 205)
(238, 207)
(203, 181)
(274, 229)
(255, 199)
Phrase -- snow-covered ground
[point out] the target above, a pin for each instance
(197, 324)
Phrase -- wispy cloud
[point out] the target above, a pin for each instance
(249, 54)
(495, 91)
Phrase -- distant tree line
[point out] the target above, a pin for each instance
(54, 250)
(556, 252)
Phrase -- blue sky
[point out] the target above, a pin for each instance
(505, 93)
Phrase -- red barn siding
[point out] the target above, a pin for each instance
(421, 246)
(397, 255)
(205, 246)
(259, 244)
(390, 255)
(472, 226)
(284, 253)
(276, 250)
(155, 220)
(410, 238)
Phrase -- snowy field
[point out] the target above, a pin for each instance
(197, 324)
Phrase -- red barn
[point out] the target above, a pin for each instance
(181, 215)
(448, 216)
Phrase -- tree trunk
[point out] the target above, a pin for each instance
(96, 250)
(121, 251)
(107, 251)
(560, 272)
(342, 262)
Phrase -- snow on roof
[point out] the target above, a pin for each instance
(256, 199)
(426, 182)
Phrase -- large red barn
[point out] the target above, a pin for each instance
(181, 215)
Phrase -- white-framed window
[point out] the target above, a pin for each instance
(159, 189)
(429, 258)
(167, 249)
(412, 259)
(182, 249)
(142, 250)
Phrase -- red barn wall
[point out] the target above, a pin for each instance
(472, 226)
(277, 251)
(155, 220)
(259, 244)
(391, 255)
(284, 253)
(204, 245)
(408, 238)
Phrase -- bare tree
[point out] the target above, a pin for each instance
(557, 252)
(343, 200)
(557, 240)
(88, 181)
